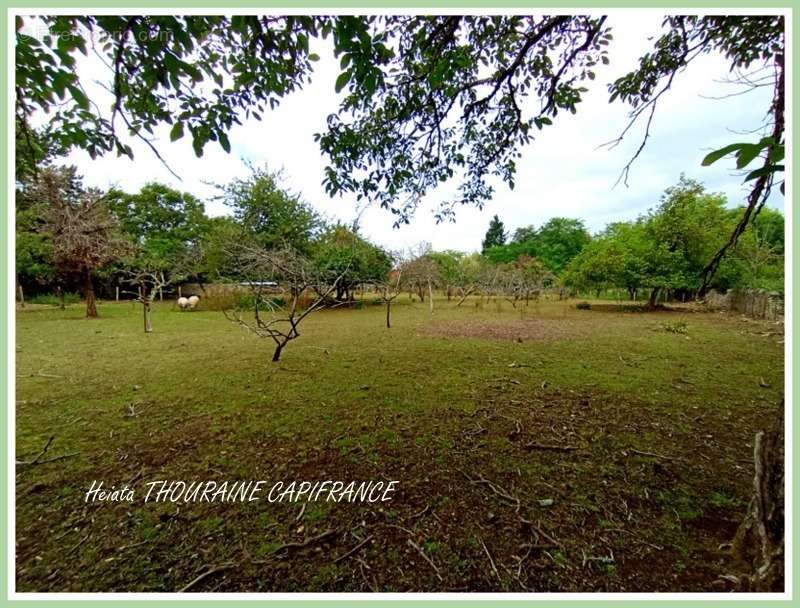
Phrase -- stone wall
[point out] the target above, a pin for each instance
(755, 303)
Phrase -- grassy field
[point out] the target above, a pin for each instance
(653, 415)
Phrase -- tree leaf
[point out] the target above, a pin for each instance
(176, 132)
(223, 141)
(714, 156)
(342, 81)
(746, 155)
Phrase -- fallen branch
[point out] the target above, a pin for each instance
(205, 575)
(38, 458)
(300, 545)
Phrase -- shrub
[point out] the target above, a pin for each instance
(52, 299)
(679, 327)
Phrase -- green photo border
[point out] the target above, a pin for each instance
(6, 257)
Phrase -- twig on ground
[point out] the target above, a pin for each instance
(131, 546)
(406, 530)
(300, 545)
(80, 542)
(652, 454)
(425, 557)
(495, 488)
(421, 513)
(552, 448)
(491, 560)
(38, 374)
(361, 565)
(38, 458)
(205, 575)
(353, 550)
(536, 527)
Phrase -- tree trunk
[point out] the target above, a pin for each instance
(148, 325)
(21, 297)
(88, 290)
(388, 314)
(758, 547)
(464, 297)
(430, 296)
(276, 356)
(653, 301)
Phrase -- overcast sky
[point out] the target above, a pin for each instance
(562, 173)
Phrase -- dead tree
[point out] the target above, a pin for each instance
(758, 547)
(298, 280)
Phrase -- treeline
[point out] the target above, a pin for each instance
(73, 238)
(664, 252)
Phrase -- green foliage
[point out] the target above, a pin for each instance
(430, 98)
(162, 222)
(34, 248)
(555, 244)
(220, 238)
(49, 299)
(435, 96)
(746, 153)
(670, 246)
(449, 266)
(677, 327)
(495, 234)
(270, 215)
(213, 69)
(339, 251)
(743, 40)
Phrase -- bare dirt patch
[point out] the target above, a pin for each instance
(523, 330)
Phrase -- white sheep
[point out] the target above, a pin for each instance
(193, 301)
(183, 303)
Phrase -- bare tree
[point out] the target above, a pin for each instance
(391, 287)
(304, 288)
(421, 273)
(150, 281)
(148, 284)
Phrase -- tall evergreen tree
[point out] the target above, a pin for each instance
(495, 235)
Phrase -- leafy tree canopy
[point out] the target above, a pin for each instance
(269, 214)
(161, 221)
(554, 244)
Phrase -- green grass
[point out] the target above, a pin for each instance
(353, 400)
